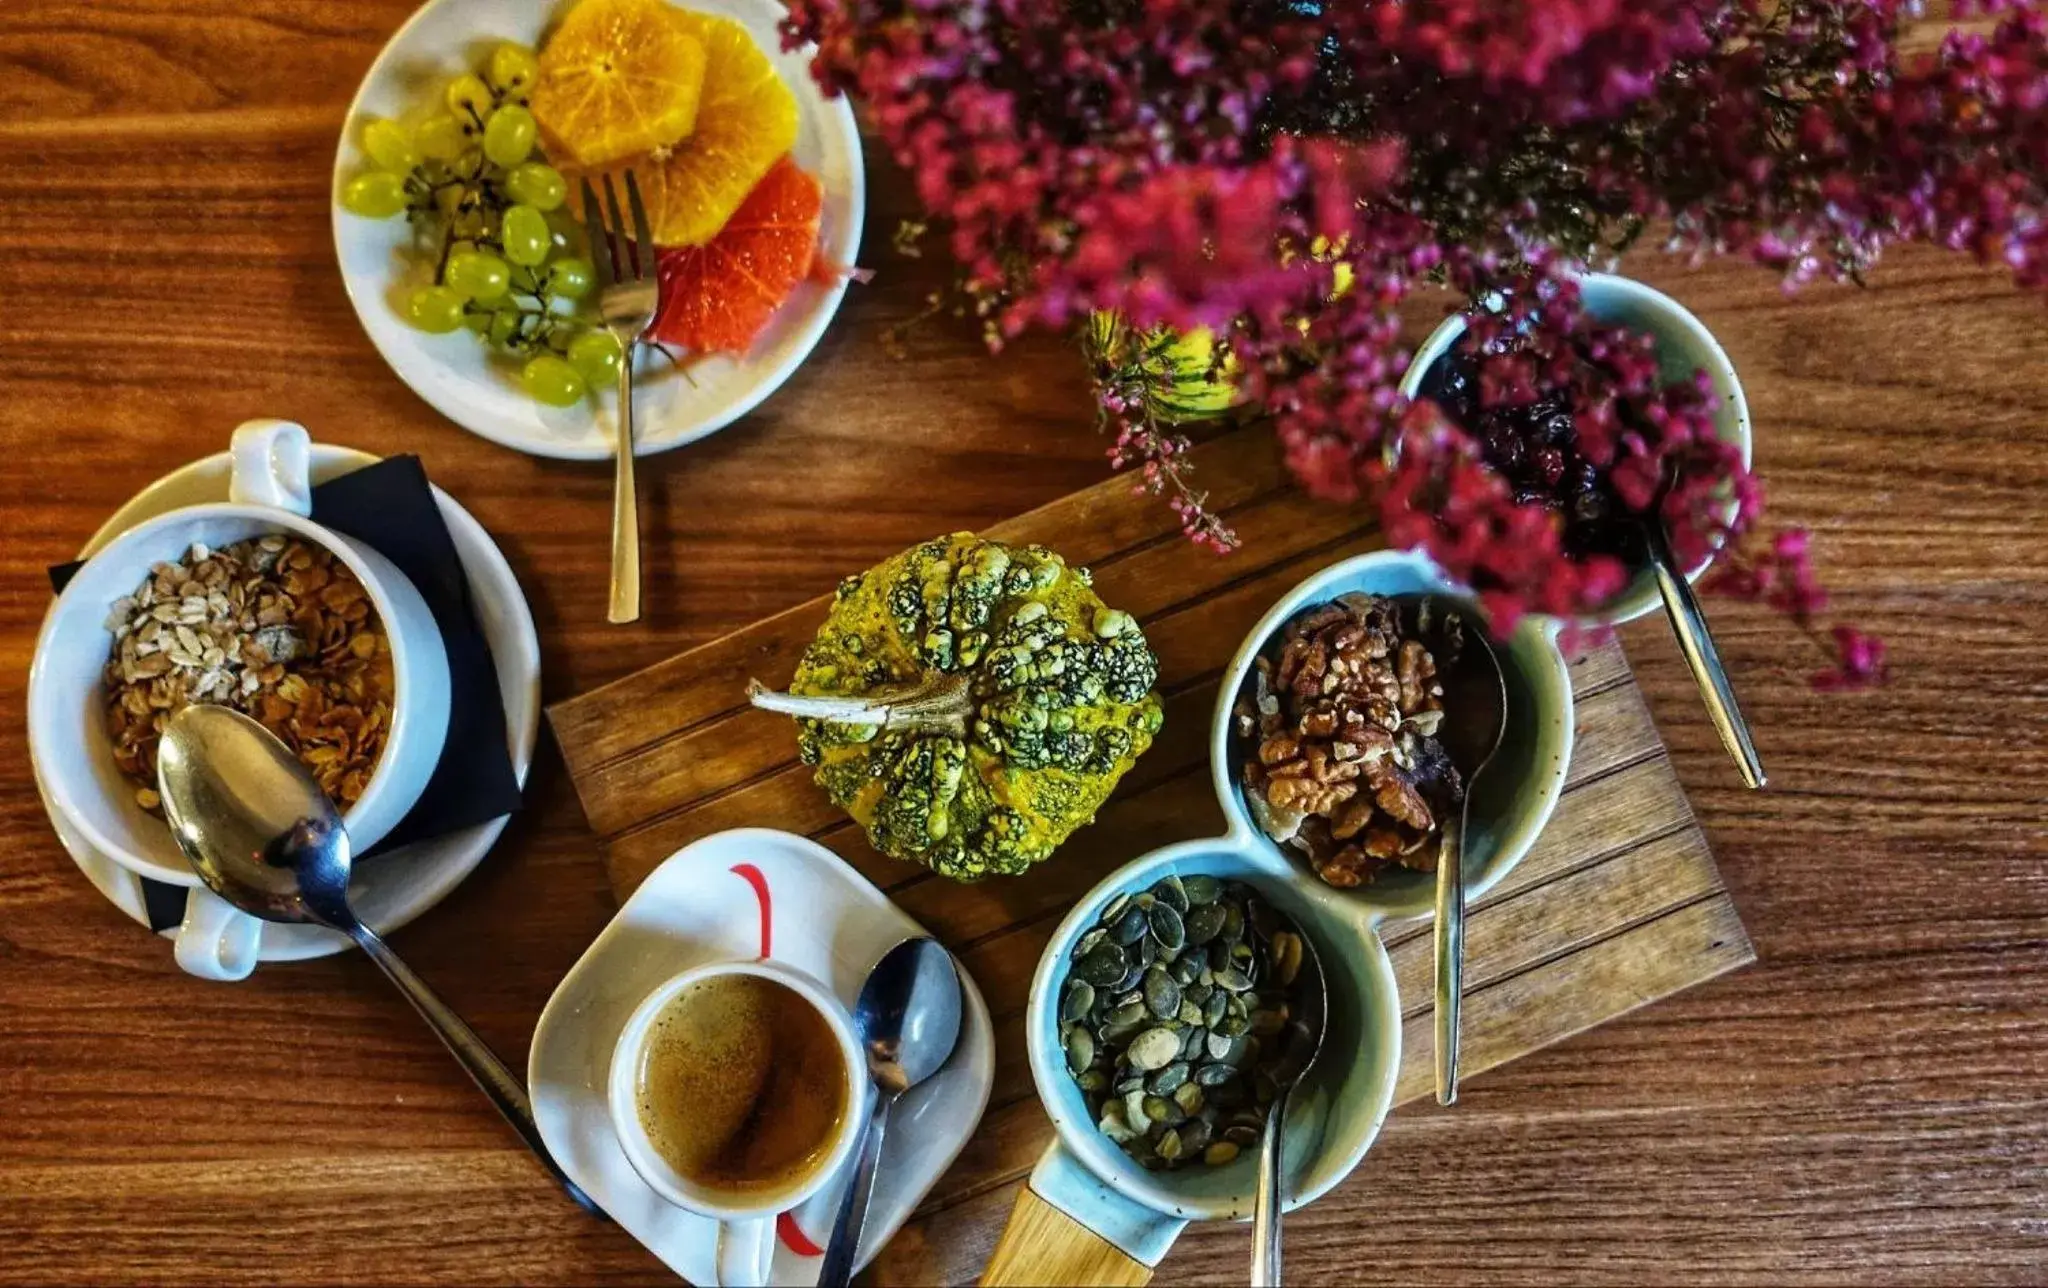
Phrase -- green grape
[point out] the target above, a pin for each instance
(513, 68)
(509, 135)
(478, 320)
(390, 146)
(434, 309)
(525, 235)
(504, 325)
(537, 184)
(571, 279)
(477, 275)
(468, 95)
(596, 356)
(551, 380)
(376, 195)
(441, 137)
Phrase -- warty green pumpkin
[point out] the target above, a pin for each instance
(970, 703)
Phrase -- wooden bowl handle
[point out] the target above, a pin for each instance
(1042, 1245)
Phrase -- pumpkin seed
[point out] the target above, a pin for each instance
(1113, 910)
(1144, 900)
(1189, 1097)
(1080, 1044)
(1233, 923)
(1167, 927)
(1168, 1080)
(1221, 1046)
(1132, 977)
(1093, 1081)
(1286, 949)
(1161, 1110)
(1213, 1011)
(1186, 970)
(1232, 1026)
(1214, 1075)
(1200, 889)
(1114, 1125)
(1219, 1153)
(1189, 1013)
(1103, 966)
(1162, 995)
(1079, 1000)
(1169, 1146)
(1089, 942)
(1134, 1111)
(1128, 1085)
(1122, 1022)
(1204, 922)
(1172, 893)
(1130, 926)
(1194, 1043)
(1153, 1049)
(1233, 979)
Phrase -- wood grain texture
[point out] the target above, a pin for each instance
(1869, 1102)
(1043, 1246)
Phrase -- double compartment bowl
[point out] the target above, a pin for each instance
(1337, 1110)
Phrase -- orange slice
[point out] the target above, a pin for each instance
(718, 297)
(618, 78)
(747, 120)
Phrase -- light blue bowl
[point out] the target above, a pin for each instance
(1338, 1109)
(1684, 345)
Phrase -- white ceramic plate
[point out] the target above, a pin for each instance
(744, 894)
(456, 373)
(391, 889)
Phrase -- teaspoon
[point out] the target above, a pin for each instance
(263, 836)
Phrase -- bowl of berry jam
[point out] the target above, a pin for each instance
(1535, 445)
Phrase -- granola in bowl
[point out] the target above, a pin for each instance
(1337, 734)
(274, 626)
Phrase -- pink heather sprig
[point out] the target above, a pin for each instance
(1203, 162)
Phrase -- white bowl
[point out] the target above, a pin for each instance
(456, 373)
(1684, 345)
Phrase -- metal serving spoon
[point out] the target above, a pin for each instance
(908, 1018)
(1303, 1039)
(1696, 642)
(263, 836)
(1475, 718)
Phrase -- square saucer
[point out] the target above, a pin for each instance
(749, 893)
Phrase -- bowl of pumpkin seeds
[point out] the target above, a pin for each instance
(1155, 1016)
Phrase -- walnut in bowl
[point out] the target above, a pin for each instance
(1337, 734)
(1350, 666)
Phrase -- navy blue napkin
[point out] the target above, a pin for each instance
(390, 508)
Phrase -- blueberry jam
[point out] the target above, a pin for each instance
(1535, 447)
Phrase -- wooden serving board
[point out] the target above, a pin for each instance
(1619, 904)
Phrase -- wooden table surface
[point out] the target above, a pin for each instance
(1869, 1102)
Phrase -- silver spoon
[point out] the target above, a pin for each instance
(908, 1018)
(263, 836)
(1696, 642)
(1475, 702)
(1302, 1040)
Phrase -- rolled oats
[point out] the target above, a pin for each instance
(1341, 759)
(273, 626)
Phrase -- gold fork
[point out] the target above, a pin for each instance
(629, 294)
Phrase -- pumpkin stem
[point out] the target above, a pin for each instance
(938, 703)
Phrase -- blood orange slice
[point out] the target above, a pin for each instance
(718, 297)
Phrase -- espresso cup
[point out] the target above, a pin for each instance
(746, 1219)
(270, 493)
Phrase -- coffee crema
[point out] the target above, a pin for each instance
(742, 1085)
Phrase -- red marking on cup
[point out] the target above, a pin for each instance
(794, 1238)
(752, 876)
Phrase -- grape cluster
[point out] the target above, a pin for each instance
(471, 172)
(1535, 446)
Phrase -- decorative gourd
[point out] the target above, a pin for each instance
(970, 703)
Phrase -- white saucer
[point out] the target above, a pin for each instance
(393, 888)
(457, 375)
(717, 900)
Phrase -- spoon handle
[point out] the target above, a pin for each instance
(1689, 623)
(1266, 1209)
(1450, 960)
(491, 1074)
(844, 1245)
